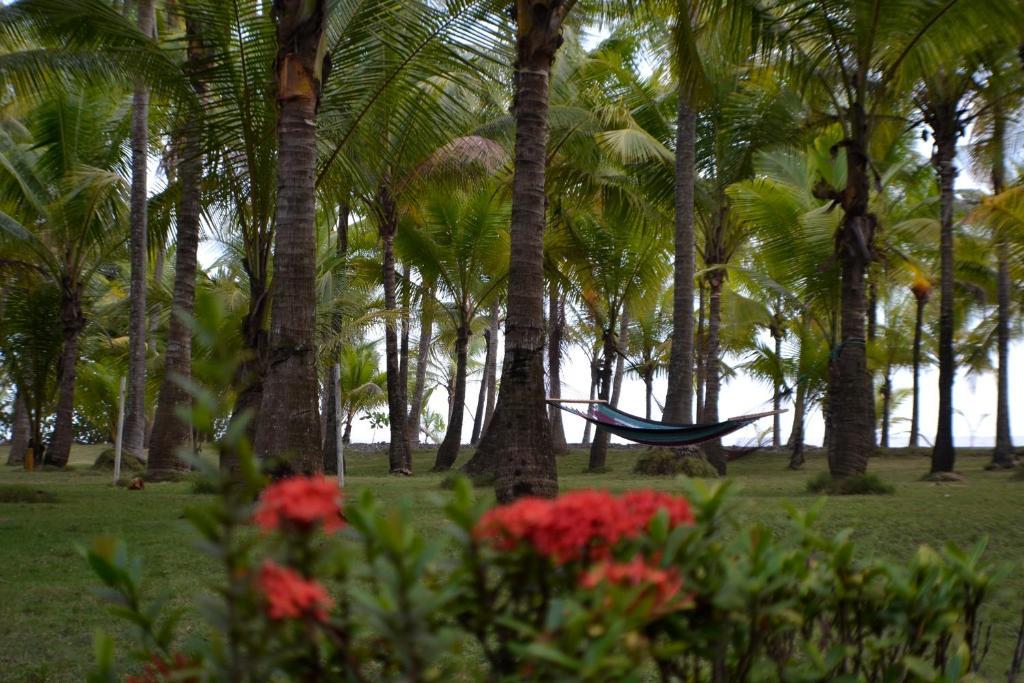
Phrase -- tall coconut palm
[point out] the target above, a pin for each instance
(63, 210)
(170, 432)
(289, 417)
(462, 247)
(843, 43)
(135, 409)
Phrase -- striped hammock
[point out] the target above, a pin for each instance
(653, 433)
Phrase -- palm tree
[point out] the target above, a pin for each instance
(135, 410)
(460, 247)
(62, 213)
(517, 441)
(289, 417)
(648, 344)
(170, 432)
(843, 43)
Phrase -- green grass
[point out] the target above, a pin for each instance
(48, 615)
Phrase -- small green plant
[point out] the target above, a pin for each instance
(203, 486)
(129, 463)
(666, 462)
(25, 494)
(857, 485)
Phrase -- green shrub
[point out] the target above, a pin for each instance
(203, 486)
(857, 485)
(129, 463)
(14, 493)
(670, 462)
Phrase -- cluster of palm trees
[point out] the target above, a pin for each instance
(664, 185)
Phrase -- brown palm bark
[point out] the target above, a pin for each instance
(252, 370)
(330, 427)
(944, 121)
(171, 433)
(72, 321)
(713, 367)
(921, 293)
(599, 448)
(412, 429)
(399, 459)
(796, 438)
(556, 325)
(491, 361)
(288, 428)
(517, 442)
(886, 391)
(449, 448)
(700, 351)
(777, 334)
(135, 410)
(648, 377)
(679, 398)
(20, 430)
(850, 424)
(1002, 454)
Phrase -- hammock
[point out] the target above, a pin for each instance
(652, 433)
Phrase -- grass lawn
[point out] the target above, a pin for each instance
(47, 614)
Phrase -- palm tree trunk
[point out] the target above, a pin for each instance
(620, 360)
(1002, 455)
(412, 429)
(648, 391)
(20, 429)
(449, 449)
(491, 361)
(599, 449)
(701, 351)
(886, 405)
(679, 398)
(517, 442)
(915, 419)
(330, 426)
(595, 371)
(72, 322)
(777, 394)
(796, 438)
(252, 371)
(288, 430)
(398, 450)
(943, 454)
(135, 413)
(403, 346)
(556, 325)
(170, 432)
(712, 369)
(850, 402)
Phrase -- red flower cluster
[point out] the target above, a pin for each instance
(302, 502)
(157, 670)
(578, 524)
(290, 596)
(663, 584)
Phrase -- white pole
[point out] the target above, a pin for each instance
(339, 446)
(120, 432)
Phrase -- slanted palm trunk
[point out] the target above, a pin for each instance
(712, 369)
(701, 353)
(517, 442)
(944, 125)
(170, 432)
(599, 449)
(20, 429)
(1002, 456)
(72, 322)
(399, 459)
(288, 429)
(449, 449)
(777, 334)
(679, 398)
(556, 323)
(491, 362)
(595, 378)
(620, 361)
(412, 429)
(796, 438)
(886, 391)
(850, 423)
(135, 411)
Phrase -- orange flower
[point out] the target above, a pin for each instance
(290, 596)
(578, 525)
(302, 502)
(662, 584)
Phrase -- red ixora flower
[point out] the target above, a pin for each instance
(158, 669)
(579, 524)
(290, 595)
(302, 502)
(663, 584)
